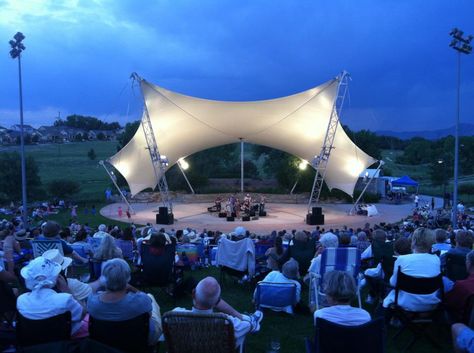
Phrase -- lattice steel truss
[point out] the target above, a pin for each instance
(159, 162)
(320, 162)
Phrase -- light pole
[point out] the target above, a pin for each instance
(462, 46)
(16, 48)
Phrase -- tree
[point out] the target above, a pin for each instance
(62, 189)
(10, 177)
(91, 154)
(129, 132)
(101, 136)
(87, 123)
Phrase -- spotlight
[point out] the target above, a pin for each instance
(303, 165)
(183, 164)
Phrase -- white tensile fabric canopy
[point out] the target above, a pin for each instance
(184, 125)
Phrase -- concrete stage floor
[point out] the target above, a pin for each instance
(279, 216)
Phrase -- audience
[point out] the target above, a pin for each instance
(110, 297)
(340, 289)
(289, 274)
(207, 297)
(41, 276)
(418, 264)
(457, 299)
(120, 301)
(441, 237)
(107, 249)
(274, 254)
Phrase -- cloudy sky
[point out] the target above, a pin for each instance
(80, 54)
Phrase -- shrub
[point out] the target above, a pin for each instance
(63, 188)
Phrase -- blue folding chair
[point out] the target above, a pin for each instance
(275, 296)
(340, 259)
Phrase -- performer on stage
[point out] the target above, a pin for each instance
(217, 205)
(262, 203)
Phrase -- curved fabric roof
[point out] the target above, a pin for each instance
(296, 124)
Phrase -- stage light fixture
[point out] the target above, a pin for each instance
(303, 165)
(183, 164)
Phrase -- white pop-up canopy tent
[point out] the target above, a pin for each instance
(184, 125)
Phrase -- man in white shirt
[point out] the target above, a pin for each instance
(207, 297)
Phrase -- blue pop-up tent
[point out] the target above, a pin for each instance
(404, 181)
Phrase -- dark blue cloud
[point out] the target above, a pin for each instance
(78, 58)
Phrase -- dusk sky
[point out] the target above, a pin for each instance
(80, 53)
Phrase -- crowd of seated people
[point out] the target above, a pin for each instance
(416, 251)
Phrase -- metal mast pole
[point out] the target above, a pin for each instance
(114, 181)
(159, 162)
(462, 45)
(241, 165)
(17, 47)
(320, 162)
(456, 147)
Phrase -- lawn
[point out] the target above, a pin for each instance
(70, 161)
(291, 330)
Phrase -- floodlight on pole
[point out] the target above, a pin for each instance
(183, 164)
(463, 46)
(16, 49)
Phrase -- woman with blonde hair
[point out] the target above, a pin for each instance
(420, 264)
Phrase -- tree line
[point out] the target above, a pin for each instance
(86, 123)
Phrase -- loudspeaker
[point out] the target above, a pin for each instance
(230, 219)
(222, 214)
(262, 213)
(312, 219)
(245, 218)
(317, 211)
(163, 217)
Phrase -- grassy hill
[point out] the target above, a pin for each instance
(70, 161)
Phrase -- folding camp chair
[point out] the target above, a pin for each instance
(275, 296)
(31, 332)
(198, 333)
(41, 245)
(417, 322)
(340, 259)
(334, 338)
(128, 335)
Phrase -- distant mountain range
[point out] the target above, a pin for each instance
(464, 130)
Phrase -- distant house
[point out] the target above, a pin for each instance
(27, 129)
(53, 134)
(106, 134)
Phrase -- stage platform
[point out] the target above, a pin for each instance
(279, 216)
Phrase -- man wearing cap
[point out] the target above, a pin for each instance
(51, 232)
(41, 276)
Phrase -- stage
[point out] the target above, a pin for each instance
(279, 216)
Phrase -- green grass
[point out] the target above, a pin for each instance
(64, 216)
(70, 161)
(291, 330)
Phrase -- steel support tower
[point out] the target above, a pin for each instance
(159, 162)
(320, 162)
